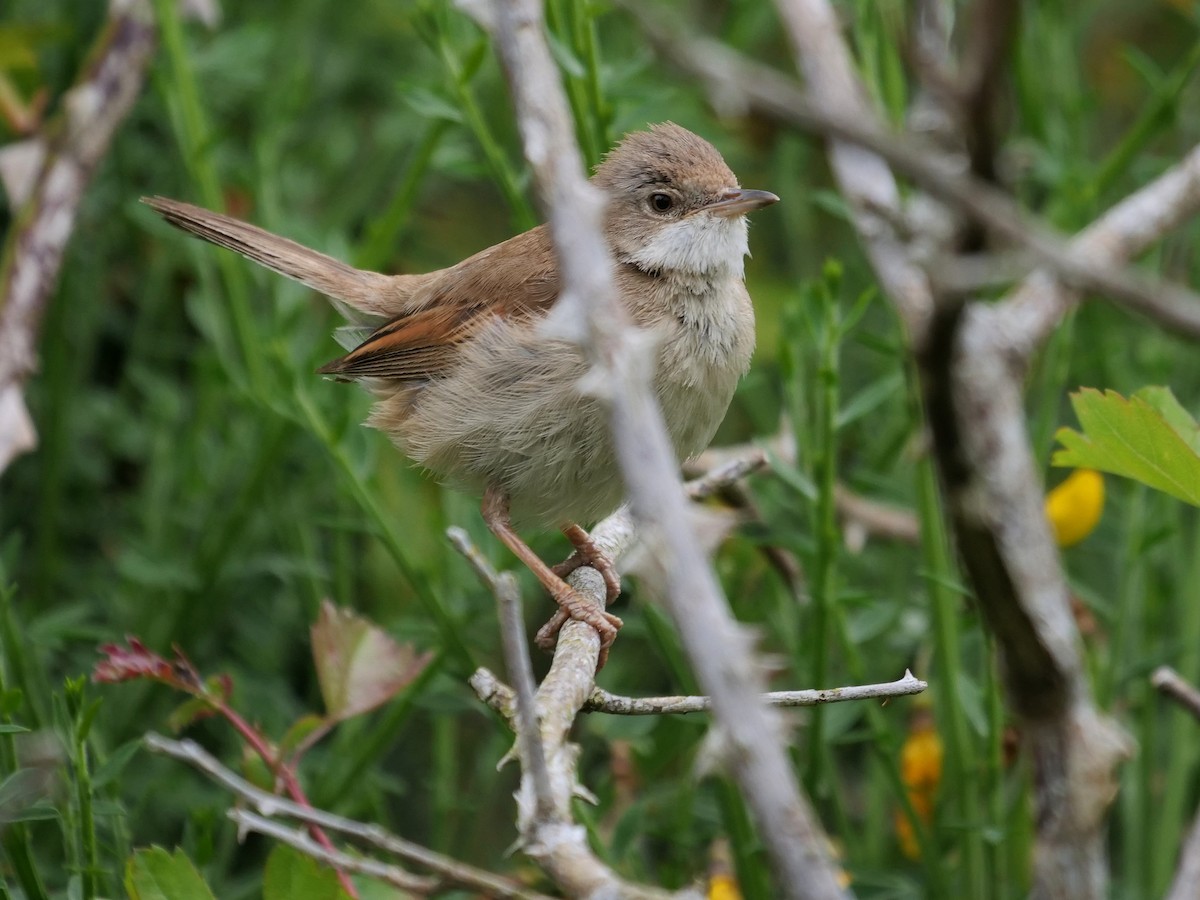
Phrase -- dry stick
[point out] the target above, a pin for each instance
(717, 648)
(876, 518)
(342, 862)
(1169, 682)
(516, 657)
(602, 701)
(862, 146)
(719, 477)
(1034, 310)
(33, 252)
(501, 697)
(450, 871)
(1186, 884)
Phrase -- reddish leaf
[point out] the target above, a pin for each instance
(358, 665)
(136, 661)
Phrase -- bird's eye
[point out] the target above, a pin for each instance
(661, 202)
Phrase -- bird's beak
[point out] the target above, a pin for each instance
(738, 203)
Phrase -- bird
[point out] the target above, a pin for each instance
(469, 384)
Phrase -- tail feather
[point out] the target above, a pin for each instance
(367, 293)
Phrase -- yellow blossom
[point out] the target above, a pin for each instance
(722, 886)
(921, 772)
(1075, 506)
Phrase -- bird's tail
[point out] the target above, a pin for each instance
(366, 293)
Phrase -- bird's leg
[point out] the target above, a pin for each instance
(571, 605)
(588, 554)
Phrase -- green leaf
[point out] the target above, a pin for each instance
(290, 875)
(301, 730)
(359, 666)
(155, 874)
(429, 105)
(188, 713)
(116, 763)
(1135, 439)
(1173, 412)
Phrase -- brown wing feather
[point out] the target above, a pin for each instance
(515, 279)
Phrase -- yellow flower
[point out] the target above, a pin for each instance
(921, 772)
(1075, 506)
(723, 887)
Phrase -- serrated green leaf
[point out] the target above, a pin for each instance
(155, 874)
(1133, 439)
(290, 875)
(1176, 416)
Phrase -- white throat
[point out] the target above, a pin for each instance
(698, 245)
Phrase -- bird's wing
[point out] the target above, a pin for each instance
(517, 279)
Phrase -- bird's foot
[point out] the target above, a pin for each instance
(588, 554)
(572, 605)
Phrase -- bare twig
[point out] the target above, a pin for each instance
(726, 473)
(344, 862)
(874, 518)
(602, 701)
(500, 697)
(1186, 884)
(516, 656)
(464, 545)
(91, 111)
(1169, 682)
(1121, 234)
(450, 871)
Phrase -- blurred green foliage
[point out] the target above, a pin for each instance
(196, 484)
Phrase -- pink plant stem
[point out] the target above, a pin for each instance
(283, 772)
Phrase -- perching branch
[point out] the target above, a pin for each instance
(549, 781)
(716, 646)
(65, 155)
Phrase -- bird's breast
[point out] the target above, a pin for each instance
(706, 349)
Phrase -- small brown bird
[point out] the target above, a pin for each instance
(469, 386)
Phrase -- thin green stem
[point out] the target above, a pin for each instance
(86, 824)
(825, 527)
(961, 760)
